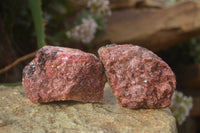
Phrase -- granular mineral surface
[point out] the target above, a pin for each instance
(138, 77)
(58, 73)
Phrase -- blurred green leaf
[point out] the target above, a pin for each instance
(83, 14)
(101, 22)
(36, 11)
(11, 84)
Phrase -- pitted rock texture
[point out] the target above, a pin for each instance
(58, 73)
(19, 115)
(138, 77)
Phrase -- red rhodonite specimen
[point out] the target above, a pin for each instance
(64, 74)
(138, 77)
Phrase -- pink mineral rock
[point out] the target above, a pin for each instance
(64, 74)
(138, 77)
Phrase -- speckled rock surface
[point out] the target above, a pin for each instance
(19, 115)
(59, 73)
(139, 78)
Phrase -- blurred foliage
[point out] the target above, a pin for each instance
(181, 106)
(55, 15)
(62, 16)
(183, 54)
(16, 26)
(59, 16)
(35, 7)
(11, 84)
(171, 2)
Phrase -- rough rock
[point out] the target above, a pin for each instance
(138, 77)
(64, 74)
(19, 115)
